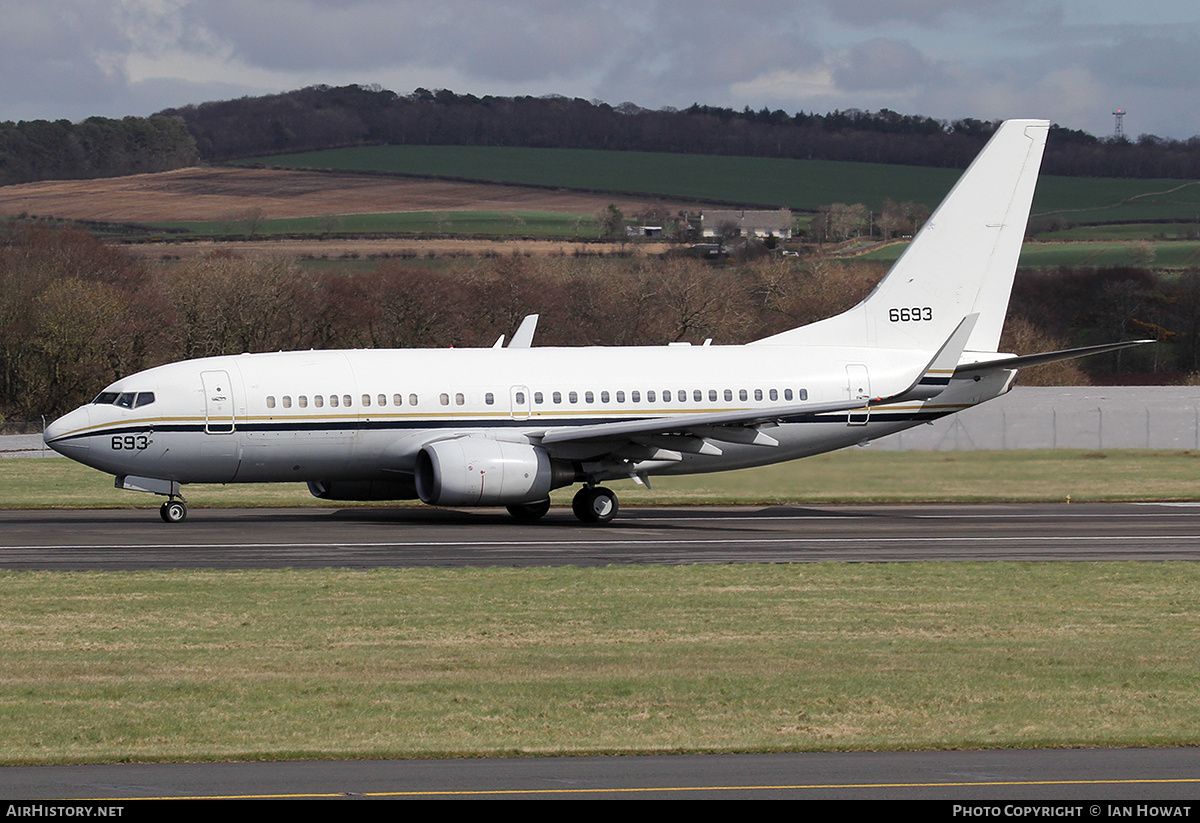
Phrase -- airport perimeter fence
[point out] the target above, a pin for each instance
(1097, 418)
(22, 438)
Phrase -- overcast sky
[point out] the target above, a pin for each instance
(1071, 61)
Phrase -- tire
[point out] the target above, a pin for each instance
(595, 505)
(173, 511)
(529, 512)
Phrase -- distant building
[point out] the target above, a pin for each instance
(751, 223)
(644, 231)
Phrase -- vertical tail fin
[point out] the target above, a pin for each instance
(961, 262)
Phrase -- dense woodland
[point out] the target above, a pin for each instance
(320, 117)
(76, 314)
(97, 147)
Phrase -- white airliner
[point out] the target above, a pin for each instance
(505, 426)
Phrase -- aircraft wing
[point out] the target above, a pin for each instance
(694, 432)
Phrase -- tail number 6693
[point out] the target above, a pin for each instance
(908, 315)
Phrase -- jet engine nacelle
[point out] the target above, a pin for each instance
(480, 471)
(362, 489)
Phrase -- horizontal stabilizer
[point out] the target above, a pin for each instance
(1024, 361)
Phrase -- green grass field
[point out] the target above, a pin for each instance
(851, 475)
(798, 184)
(207, 665)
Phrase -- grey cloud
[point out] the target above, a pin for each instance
(880, 64)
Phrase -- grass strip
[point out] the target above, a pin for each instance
(206, 665)
(851, 475)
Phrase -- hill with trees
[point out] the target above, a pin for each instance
(325, 117)
(321, 117)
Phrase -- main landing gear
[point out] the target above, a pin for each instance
(529, 512)
(592, 505)
(595, 504)
(173, 511)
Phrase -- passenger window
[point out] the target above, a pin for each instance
(604, 397)
(346, 401)
(742, 394)
(774, 395)
(712, 395)
(650, 396)
(366, 400)
(804, 394)
(333, 400)
(302, 401)
(397, 400)
(635, 396)
(538, 398)
(444, 399)
(318, 401)
(758, 394)
(382, 399)
(787, 394)
(556, 397)
(459, 399)
(573, 397)
(490, 398)
(728, 395)
(287, 401)
(270, 401)
(412, 400)
(666, 395)
(620, 397)
(588, 397)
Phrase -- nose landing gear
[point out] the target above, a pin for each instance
(173, 511)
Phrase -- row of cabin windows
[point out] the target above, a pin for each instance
(318, 400)
(539, 398)
(669, 396)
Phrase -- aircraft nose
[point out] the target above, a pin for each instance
(58, 434)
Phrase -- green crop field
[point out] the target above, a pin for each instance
(798, 184)
(461, 223)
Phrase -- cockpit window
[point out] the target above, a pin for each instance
(124, 400)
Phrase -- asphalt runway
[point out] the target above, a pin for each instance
(133, 539)
(1163, 777)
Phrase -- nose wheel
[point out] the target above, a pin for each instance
(595, 504)
(173, 511)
